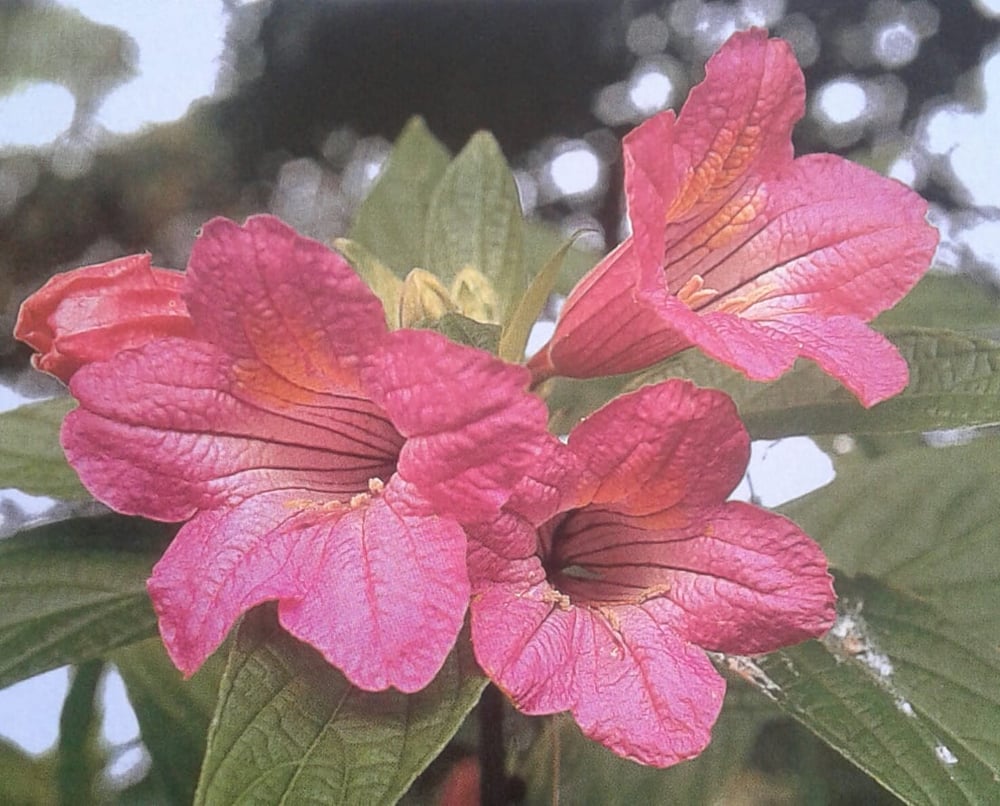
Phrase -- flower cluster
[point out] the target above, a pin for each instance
(379, 484)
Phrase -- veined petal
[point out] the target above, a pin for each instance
(653, 697)
(471, 427)
(605, 328)
(736, 122)
(388, 593)
(91, 313)
(173, 428)
(728, 132)
(862, 359)
(351, 580)
(822, 235)
(263, 292)
(651, 182)
(632, 683)
(647, 451)
(742, 580)
(549, 484)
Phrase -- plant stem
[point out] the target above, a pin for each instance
(492, 763)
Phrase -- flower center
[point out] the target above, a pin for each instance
(595, 558)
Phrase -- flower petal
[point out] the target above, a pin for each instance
(632, 683)
(262, 291)
(651, 182)
(351, 580)
(174, 428)
(651, 696)
(661, 445)
(604, 328)
(471, 427)
(740, 580)
(94, 312)
(730, 128)
(822, 235)
(388, 594)
(862, 359)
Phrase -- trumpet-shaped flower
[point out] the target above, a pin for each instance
(317, 459)
(619, 560)
(739, 249)
(94, 312)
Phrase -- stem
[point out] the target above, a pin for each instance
(75, 768)
(492, 775)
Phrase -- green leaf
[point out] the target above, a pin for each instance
(391, 221)
(385, 285)
(518, 328)
(905, 685)
(73, 590)
(26, 780)
(475, 221)
(590, 774)
(31, 458)
(570, 399)
(173, 713)
(541, 239)
(290, 729)
(931, 529)
(467, 331)
(947, 301)
(954, 382)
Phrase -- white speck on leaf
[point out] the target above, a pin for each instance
(944, 755)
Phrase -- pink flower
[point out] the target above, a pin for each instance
(752, 256)
(619, 560)
(94, 312)
(318, 459)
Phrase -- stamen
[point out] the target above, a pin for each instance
(693, 293)
(738, 304)
(561, 600)
(654, 592)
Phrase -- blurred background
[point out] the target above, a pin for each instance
(124, 126)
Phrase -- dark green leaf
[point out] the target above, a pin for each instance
(590, 774)
(290, 729)
(475, 221)
(26, 780)
(905, 685)
(902, 692)
(31, 458)
(924, 520)
(954, 382)
(541, 239)
(73, 590)
(467, 331)
(516, 331)
(173, 713)
(391, 221)
(947, 301)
